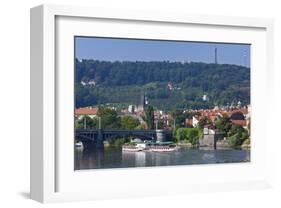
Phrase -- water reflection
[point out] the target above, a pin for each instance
(137, 159)
(115, 158)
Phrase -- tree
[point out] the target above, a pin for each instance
(237, 135)
(85, 122)
(179, 117)
(204, 121)
(160, 124)
(129, 122)
(149, 116)
(109, 118)
(141, 126)
(234, 140)
(223, 123)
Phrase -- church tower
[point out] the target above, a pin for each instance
(143, 101)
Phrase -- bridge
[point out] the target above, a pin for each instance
(98, 136)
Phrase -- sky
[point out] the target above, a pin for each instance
(115, 49)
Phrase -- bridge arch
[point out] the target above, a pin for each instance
(86, 135)
(100, 135)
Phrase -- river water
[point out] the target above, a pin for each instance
(115, 158)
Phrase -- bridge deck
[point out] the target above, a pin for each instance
(105, 134)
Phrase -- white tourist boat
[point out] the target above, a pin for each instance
(131, 149)
(163, 149)
(152, 147)
(134, 148)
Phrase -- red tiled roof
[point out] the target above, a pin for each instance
(212, 118)
(86, 111)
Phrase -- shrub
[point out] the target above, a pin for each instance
(117, 141)
(189, 134)
(234, 140)
(236, 136)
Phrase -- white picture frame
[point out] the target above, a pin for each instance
(53, 180)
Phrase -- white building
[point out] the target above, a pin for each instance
(131, 109)
(205, 98)
(195, 121)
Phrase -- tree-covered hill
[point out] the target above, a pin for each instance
(167, 84)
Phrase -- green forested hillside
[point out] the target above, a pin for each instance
(122, 83)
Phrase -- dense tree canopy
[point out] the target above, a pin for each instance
(129, 122)
(109, 118)
(123, 82)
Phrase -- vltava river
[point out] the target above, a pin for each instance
(115, 158)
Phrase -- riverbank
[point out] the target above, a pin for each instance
(221, 144)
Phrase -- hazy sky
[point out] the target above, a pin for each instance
(113, 49)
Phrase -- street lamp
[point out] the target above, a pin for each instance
(156, 122)
(85, 122)
(99, 121)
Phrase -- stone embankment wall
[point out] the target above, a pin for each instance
(212, 140)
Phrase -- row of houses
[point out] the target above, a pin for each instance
(238, 116)
(92, 112)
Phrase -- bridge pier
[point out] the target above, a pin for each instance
(160, 135)
(210, 140)
(89, 144)
(99, 141)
